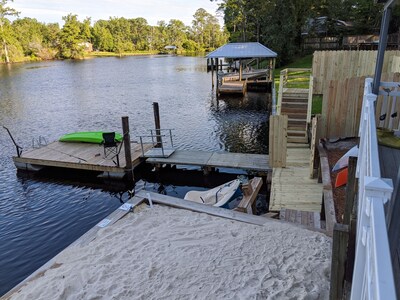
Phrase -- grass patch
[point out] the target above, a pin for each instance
(110, 54)
(316, 104)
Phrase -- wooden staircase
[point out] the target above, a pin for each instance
(295, 105)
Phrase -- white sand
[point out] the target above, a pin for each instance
(166, 253)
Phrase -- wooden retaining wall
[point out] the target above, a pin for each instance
(278, 140)
(341, 107)
(339, 65)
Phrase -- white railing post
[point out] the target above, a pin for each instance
(373, 272)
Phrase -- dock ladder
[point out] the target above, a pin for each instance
(161, 139)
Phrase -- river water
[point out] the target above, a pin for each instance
(41, 216)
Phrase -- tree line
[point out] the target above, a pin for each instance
(28, 39)
(280, 25)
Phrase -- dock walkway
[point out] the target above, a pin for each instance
(292, 188)
(251, 162)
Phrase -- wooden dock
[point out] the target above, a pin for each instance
(292, 188)
(83, 156)
(233, 87)
(208, 160)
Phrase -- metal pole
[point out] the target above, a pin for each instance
(381, 49)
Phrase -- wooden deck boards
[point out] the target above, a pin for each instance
(306, 218)
(252, 162)
(292, 188)
(83, 156)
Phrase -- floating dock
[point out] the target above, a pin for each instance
(258, 163)
(82, 156)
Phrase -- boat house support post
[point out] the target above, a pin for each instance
(240, 70)
(212, 72)
(216, 81)
(127, 148)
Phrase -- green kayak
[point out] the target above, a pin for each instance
(94, 137)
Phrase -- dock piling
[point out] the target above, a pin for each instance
(127, 147)
(157, 123)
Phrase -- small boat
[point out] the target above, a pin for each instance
(94, 137)
(219, 196)
(343, 162)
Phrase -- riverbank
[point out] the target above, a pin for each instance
(163, 252)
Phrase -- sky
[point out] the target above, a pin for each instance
(51, 11)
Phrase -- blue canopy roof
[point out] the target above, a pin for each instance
(242, 50)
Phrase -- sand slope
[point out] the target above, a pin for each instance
(166, 253)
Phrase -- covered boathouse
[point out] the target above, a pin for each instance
(237, 67)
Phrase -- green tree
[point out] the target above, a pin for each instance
(86, 32)
(70, 38)
(102, 38)
(206, 30)
(5, 33)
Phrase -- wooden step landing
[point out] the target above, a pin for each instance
(307, 218)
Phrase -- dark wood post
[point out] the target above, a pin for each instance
(339, 247)
(127, 148)
(350, 190)
(157, 123)
(350, 216)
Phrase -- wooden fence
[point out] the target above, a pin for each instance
(339, 65)
(342, 103)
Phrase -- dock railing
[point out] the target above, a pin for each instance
(373, 272)
(295, 78)
(161, 139)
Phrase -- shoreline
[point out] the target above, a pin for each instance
(95, 54)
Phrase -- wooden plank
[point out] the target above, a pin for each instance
(247, 202)
(203, 208)
(255, 162)
(181, 157)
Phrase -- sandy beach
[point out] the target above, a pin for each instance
(167, 253)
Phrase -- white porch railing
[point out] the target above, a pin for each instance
(373, 273)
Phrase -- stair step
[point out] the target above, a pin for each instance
(297, 128)
(294, 105)
(297, 139)
(295, 100)
(285, 109)
(296, 133)
(295, 115)
(295, 95)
